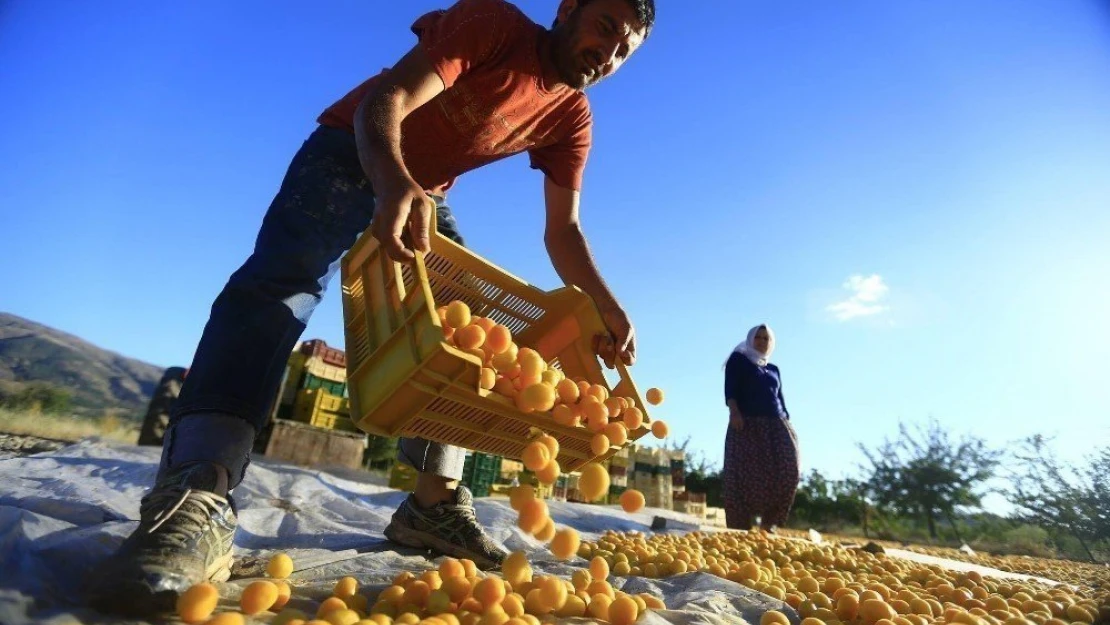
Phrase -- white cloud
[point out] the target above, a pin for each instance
(867, 298)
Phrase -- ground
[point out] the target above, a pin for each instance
(63, 510)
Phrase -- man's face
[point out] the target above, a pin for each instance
(593, 41)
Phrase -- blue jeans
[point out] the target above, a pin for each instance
(324, 204)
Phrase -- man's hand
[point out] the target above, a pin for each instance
(566, 245)
(400, 204)
(621, 341)
(403, 206)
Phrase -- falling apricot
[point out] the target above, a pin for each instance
(654, 396)
(547, 532)
(536, 456)
(550, 473)
(659, 429)
(457, 315)
(594, 482)
(551, 442)
(565, 544)
(519, 495)
(632, 500)
(533, 516)
(599, 444)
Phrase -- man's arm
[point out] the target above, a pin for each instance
(399, 199)
(570, 255)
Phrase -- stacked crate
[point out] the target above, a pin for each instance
(615, 493)
(619, 466)
(678, 471)
(573, 492)
(652, 477)
(510, 470)
(480, 472)
(313, 393)
(559, 489)
(690, 503)
(322, 409)
(314, 387)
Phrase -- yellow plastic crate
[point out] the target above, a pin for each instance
(319, 368)
(405, 380)
(312, 400)
(333, 421)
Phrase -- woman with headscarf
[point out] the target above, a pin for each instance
(762, 466)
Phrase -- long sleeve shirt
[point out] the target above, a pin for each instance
(756, 390)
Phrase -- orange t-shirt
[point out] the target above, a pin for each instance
(495, 103)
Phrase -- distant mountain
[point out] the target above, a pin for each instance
(98, 380)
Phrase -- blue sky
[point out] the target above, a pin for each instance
(913, 194)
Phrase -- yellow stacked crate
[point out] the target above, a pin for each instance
(321, 369)
(652, 476)
(511, 469)
(322, 409)
(664, 483)
(619, 467)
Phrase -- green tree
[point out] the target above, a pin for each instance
(826, 503)
(38, 396)
(927, 472)
(1074, 500)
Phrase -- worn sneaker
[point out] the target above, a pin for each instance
(450, 529)
(187, 524)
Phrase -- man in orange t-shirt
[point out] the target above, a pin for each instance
(484, 82)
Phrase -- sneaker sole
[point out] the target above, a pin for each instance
(134, 598)
(423, 540)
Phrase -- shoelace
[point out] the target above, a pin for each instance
(191, 518)
(466, 513)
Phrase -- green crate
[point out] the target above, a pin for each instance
(332, 387)
(480, 468)
(480, 490)
(615, 493)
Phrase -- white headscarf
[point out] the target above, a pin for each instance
(747, 348)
